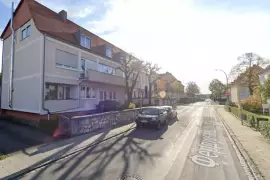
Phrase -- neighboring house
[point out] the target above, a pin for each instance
(164, 94)
(58, 65)
(141, 90)
(264, 74)
(239, 87)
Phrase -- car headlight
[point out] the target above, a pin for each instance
(154, 118)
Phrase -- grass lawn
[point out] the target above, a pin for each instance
(3, 156)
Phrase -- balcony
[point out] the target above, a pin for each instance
(96, 76)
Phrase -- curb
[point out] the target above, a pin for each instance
(253, 169)
(28, 170)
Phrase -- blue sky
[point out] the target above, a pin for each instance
(189, 38)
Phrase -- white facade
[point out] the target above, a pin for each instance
(63, 89)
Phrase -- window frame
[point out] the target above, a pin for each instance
(27, 31)
(57, 88)
(110, 52)
(92, 92)
(83, 42)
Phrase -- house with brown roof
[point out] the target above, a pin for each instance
(164, 92)
(58, 65)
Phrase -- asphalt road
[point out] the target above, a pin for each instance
(196, 147)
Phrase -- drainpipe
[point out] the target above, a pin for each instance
(43, 79)
(11, 60)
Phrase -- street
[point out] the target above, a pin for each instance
(196, 147)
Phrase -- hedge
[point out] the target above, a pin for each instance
(257, 121)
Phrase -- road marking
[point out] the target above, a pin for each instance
(181, 148)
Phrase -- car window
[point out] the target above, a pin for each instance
(150, 111)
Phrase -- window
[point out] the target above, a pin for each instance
(26, 32)
(66, 60)
(108, 52)
(111, 95)
(82, 92)
(85, 42)
(93, 93)
(87, 92)
(51, 92)
(60, 91)
(57, 91)
(114, 95)
(106, 69)
(68, 92)
(103, 95)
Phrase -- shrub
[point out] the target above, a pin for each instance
(265, 129)
(252, 104)
(131, 106)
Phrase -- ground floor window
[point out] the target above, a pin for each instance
(103, 95)
(56, 91)
(87, 92)
(112, 95)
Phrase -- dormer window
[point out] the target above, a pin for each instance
(108, 52)
(85, 41)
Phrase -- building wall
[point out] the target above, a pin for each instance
(97, 80)
(27, 71)
(263, 76)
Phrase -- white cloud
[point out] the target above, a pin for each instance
(74, 9)
(188, 41)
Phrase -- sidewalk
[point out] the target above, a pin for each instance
(36, 156)
(257, 148)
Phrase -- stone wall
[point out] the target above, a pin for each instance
(89, 123)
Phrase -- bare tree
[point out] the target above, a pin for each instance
(248, 68)
(151, 71)
(131, 67)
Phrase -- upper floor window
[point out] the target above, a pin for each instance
(66, 60)
(108, 52)
(26, 32)
(85, 41)
(106, 69)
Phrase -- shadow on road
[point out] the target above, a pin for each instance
(148, 133)
(112, 155)
(15, 137)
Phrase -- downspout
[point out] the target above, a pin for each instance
(43, 78)
(11, 60)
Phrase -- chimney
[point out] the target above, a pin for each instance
(63, 14)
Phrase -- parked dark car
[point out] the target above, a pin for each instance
(155, 115)
(108, 105)
(171, 112)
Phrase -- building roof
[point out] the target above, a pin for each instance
(267, 68)
(52, 24)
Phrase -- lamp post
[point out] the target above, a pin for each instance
(227, 84)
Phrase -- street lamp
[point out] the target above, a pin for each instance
(227, 84)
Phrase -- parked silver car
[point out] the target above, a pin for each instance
(171, 112)
(155, 115)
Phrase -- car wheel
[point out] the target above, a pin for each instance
(158, 125)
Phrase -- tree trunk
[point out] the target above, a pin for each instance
(150, 94)
(129, 97)
(250, 90)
